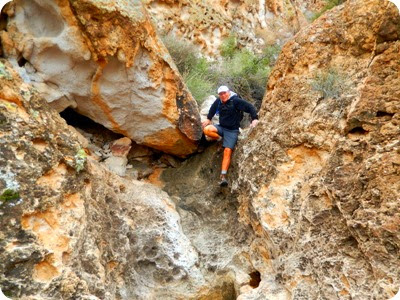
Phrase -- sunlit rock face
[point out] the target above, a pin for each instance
(319, 176)
(256, 24)
(104, 60)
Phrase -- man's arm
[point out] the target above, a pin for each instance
(211, 113)
(246, 107)
(249, 108)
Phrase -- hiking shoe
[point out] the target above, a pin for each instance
(223, 182)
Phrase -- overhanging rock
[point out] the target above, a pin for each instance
(105, 60)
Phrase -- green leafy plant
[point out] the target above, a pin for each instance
(80, 159)
(229, 46)
(246, 72)
(195, 70)
(184, 54)
(9, 195)
(243, 71)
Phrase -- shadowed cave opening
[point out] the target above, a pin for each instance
(22, 61)
(3, 26)
(3, 18)
(358, 130)
(381, 114)
(86, 124)
(255, 279)
(142, 160)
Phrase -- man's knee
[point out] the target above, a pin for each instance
(209, 128)
(228, 151)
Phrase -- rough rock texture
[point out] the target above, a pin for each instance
(207, 23)
(70, 229)
(105, 60)
(319, 176)
(209, 218)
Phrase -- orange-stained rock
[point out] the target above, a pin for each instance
(106, 61)
(121, 147)
(318, 178)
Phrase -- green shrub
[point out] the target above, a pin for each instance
(329, 83)
(9, 195)
(199, 85)
(246, 73)
(184, 54)
(229, 46)
(329, 4)
(80, 160)
(243, 71)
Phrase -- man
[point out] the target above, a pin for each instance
(230, 108)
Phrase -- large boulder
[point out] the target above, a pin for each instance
(105, 60)
(319, 176)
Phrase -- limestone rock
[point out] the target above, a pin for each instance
(205, 107)
(319, 176)
(256, 23)
(118, 161)
(106, 61)
(121, 147)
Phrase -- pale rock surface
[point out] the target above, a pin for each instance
(118, 162)
(205, 107)
(256, 23)
(319, 177)
(104, 60)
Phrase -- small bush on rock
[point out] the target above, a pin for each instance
(329, 83)
(9, 195)
(193, 68)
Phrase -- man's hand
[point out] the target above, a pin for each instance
(254, 123)
(205, 123)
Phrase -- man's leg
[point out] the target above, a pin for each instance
(226, 161)
(230, 140)
(211, 131)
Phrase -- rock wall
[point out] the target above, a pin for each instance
(104, 60)
(319, 176)
(207, 23)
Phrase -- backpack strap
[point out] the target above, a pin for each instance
(233, 103)
(217, 111)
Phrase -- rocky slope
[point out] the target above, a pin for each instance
(105, 60)
(255, 23)
(319, 178)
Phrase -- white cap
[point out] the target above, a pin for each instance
(223, 88)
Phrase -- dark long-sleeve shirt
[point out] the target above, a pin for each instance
(230, 111)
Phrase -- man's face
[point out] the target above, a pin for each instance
(224, 96)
